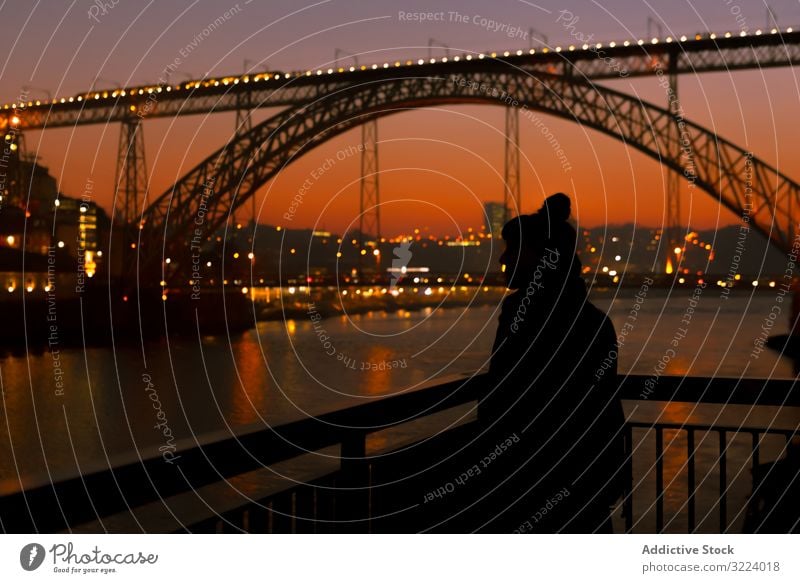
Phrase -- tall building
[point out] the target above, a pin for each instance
(494, 216)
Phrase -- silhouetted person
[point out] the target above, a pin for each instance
(774, 505)
(550, 455)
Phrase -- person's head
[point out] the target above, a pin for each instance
(543, 240)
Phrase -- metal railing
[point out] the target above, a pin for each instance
(348, 494)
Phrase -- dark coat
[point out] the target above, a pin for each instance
(553, 387)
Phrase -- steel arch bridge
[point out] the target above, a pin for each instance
(554, 80)
(201, 201)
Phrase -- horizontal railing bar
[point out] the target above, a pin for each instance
(717, 390)
(699, 427)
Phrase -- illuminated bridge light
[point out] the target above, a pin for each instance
(712, 36)
(758, 32)
(612, 44)
(469, 57)
(375, 66)
(774, 31)
(433, 61)
(532, 51)
(640, 42)
(627, 43)
(727, 35)
(330, 71)
(669, 39)
(505, 54)
(386, 65)
(558, 49)
(444, 59)
(743, 33)
(585, 46)
(519, 53)
(456, 59)
(654, 40)
(481, 55)
(494, 55)
(683, 38)
(420, 62)
(572, 47)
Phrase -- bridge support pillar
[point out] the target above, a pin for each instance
(131, 194)
(369, 222)
(131, 178)
(511, 177)
(673, 233)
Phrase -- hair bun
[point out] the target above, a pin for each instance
(556, 207)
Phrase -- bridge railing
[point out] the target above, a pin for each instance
(333, 473)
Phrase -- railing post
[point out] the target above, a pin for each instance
(723, 482)
(659, 480)
(692, 485)
(627, 493)
(353, 499)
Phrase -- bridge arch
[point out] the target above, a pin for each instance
(203, 198)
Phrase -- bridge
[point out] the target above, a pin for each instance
(320, 104)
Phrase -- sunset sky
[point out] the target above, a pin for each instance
(437, 165)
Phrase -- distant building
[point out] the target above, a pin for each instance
(494, 217)
(45, 218)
